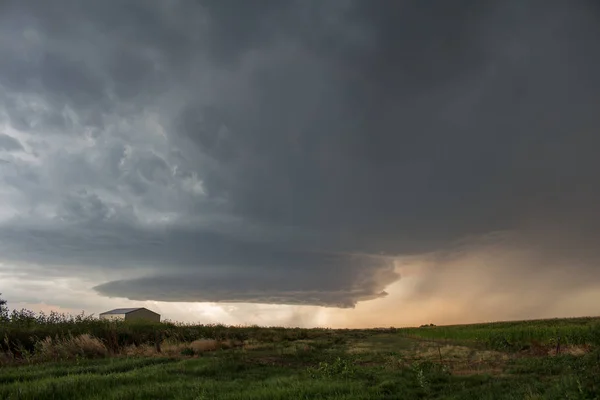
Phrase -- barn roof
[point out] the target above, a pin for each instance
(123, 310)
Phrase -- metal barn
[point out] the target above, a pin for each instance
(131, 314)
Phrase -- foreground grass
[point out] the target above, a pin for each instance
(369, 365)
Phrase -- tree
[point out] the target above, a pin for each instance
(3, 309)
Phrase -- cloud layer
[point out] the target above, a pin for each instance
(288, 152)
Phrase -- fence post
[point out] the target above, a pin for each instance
(558, 345)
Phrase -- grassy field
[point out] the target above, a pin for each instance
(216, 362)
(517, 334)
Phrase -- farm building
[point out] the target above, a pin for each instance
(131, 314)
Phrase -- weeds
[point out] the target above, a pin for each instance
(23, 330)
(187, 351)
(318, 367)
(338, 368)
(165, 360)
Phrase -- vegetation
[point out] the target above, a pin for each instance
(3, 310)
(25, 330)
(516, 335)
(64, 357)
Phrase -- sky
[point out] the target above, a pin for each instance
(341, 163)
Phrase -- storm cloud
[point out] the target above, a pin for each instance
(9, 143)
(290, 152)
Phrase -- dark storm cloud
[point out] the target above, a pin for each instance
(9, 143)
(202, 265)
(300, 129)
(445, 125)
(271, 276)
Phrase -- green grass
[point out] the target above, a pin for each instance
(373, 365)
(506, 360)
(517, 334)
(54, 370)
(213, 378)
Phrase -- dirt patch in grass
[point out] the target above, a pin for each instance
(381, 343)
(571, 350)
(457, 353)
(180, 349)
(460, 360)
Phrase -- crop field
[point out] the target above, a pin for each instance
(517, 334)
(87, 359)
